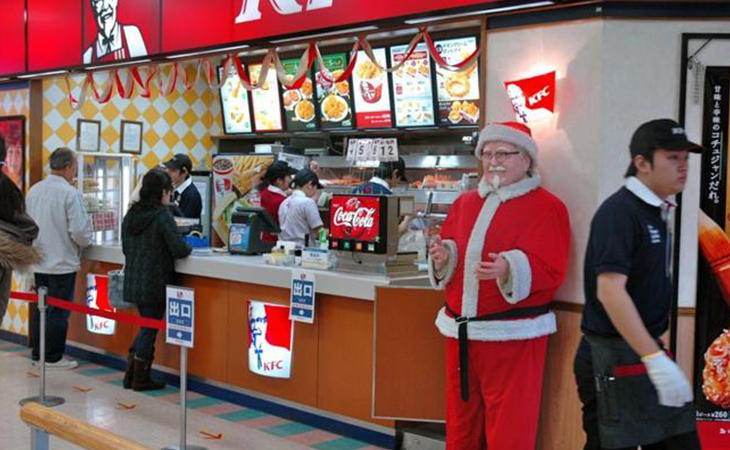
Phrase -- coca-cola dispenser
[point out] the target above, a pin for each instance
(364, 230)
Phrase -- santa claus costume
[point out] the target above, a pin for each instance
(497, 330)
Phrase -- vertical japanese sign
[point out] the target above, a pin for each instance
(712, 341)
(302, 296)
(180, 316)
(97, 298)
(370, 90)
(457, 92)
(271, 339)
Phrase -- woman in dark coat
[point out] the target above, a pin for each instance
(17, 232)
(151, 244)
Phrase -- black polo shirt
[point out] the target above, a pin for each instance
(628, 236)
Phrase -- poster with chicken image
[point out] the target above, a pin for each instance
(334, 99)
(299, 109)
(457, 91)
(371, 92)
(412, 91)
(265, 99)
(234, 104)
(712, 314)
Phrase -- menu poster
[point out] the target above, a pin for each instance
(458, 92)
(333, 99)
(412, 91)
(265, 98)
(299, 111)
(234, 104)
(370, 90)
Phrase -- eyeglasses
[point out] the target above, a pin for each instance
(499, 156)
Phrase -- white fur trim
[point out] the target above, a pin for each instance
(499, 330)
(450, 267)
(504, 133)
(473, 254)
(517, 287)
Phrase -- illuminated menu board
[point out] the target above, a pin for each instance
(370, 91)
(458, 92)
(234, 104)
(412, 87)
(265, 98)
(334, 100)
(299, 108)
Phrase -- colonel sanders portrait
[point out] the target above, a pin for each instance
(114, 41)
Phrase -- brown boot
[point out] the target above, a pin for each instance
(141, 380)
(127, 383)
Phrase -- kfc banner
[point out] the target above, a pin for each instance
(97, 297)
(114, 30)
(532, 93)
(271, 339)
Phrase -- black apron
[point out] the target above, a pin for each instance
(629, 413)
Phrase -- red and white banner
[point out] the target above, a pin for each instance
(532, 93)
(271, 339)
(97, 298)
(355, 218)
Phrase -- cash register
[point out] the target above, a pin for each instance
(247, 224)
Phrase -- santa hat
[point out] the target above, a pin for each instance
(513, 132)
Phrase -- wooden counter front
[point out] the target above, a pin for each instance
(332, 360)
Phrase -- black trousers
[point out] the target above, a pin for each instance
(144, 344)
(583, 370)
(62, 288)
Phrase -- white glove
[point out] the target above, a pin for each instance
(670, 382)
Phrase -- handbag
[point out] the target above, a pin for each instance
(115, 290)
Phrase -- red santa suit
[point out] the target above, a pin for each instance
(494, 380)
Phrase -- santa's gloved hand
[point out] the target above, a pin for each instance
(670, 382)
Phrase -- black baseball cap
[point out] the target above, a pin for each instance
(179, 161)
(665, 134)
(279, 169)
(304, 176)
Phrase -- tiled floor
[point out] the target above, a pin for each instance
(94, 393)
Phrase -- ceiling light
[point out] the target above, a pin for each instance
(206, 52)
(329, 33)
(42, 74)
(477, 13)
(119, 64)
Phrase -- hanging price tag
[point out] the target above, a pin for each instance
(351, 146)
(373, 149)
(390, 150)
(361, 150)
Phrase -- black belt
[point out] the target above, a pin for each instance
(516, 313)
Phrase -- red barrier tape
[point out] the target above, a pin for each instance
(83, 309)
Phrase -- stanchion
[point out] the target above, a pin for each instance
(184, 405)
(42, 398)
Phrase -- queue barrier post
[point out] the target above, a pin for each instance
(42, 398)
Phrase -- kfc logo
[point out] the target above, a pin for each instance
(270, 339)
(97, 297)
(531, 93)
(114, 41)
(250, 8)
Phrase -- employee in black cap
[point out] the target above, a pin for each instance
(298, 214)
(387, 175)
(273, 191)
(633, 392)
(186, 195)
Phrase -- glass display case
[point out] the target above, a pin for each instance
(106, 181)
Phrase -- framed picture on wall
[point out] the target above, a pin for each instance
(12, 130)
(88, 135)
(131, 140)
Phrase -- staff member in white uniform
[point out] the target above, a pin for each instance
(298, 214)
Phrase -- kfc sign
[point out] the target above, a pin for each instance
(532, 93)
(97, 298)
(271, 336)
(250, 8)
(355, 218)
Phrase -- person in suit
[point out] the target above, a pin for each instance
(185, 196)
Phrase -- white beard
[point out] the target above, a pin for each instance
(495, 182)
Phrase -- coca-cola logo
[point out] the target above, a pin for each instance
(360, 218)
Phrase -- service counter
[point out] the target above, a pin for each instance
(332, 360)
(372, 355)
